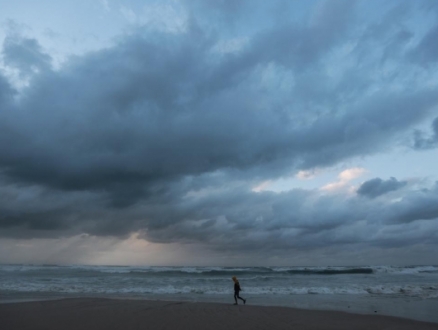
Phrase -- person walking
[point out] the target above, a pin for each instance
(237, 289)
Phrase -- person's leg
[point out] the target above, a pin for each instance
(244, 300)
(235, 297)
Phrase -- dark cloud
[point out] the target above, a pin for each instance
(299, 219)
(292, 220)
(422, 143)
(377, 187)
(417, 205)
(6, 92)
(141, 113)
(427, 49)
(164, 134)
(25, 54)
(228, 218)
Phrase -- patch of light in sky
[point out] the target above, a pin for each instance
(401, 163)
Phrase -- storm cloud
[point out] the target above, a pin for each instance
(166, 132)
(423, 142)
(376, 187)
(25, 54)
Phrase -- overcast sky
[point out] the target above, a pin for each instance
(219, 132)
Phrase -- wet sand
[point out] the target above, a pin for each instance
(96, 314)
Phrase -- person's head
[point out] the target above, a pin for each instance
(234, 278)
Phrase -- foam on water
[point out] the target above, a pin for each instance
(390, 281)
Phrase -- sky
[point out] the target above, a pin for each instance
(229, 132)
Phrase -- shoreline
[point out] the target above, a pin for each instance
(413, 309)
(113, 313)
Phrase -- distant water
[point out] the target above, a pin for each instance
(362, 288)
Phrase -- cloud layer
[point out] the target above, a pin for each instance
(165, 132)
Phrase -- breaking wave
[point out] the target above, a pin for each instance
(388, 281)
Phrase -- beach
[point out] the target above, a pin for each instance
(409, 292)
(97, 313)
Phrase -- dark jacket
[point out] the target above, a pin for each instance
(237, 287)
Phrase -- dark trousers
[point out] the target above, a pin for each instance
(236, 295)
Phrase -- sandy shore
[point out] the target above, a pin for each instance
(95, 314)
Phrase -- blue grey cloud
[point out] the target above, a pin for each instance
(417, 205)
(145, 112)
(229, 218)
(25, 54)
(166, 133)
(423, 142)
(427, 49)
(377, 187)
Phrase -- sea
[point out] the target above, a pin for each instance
(403, 291)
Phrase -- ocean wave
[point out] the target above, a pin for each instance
(424, 292)
(331, 271)
(407, 270)
(222, 271)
